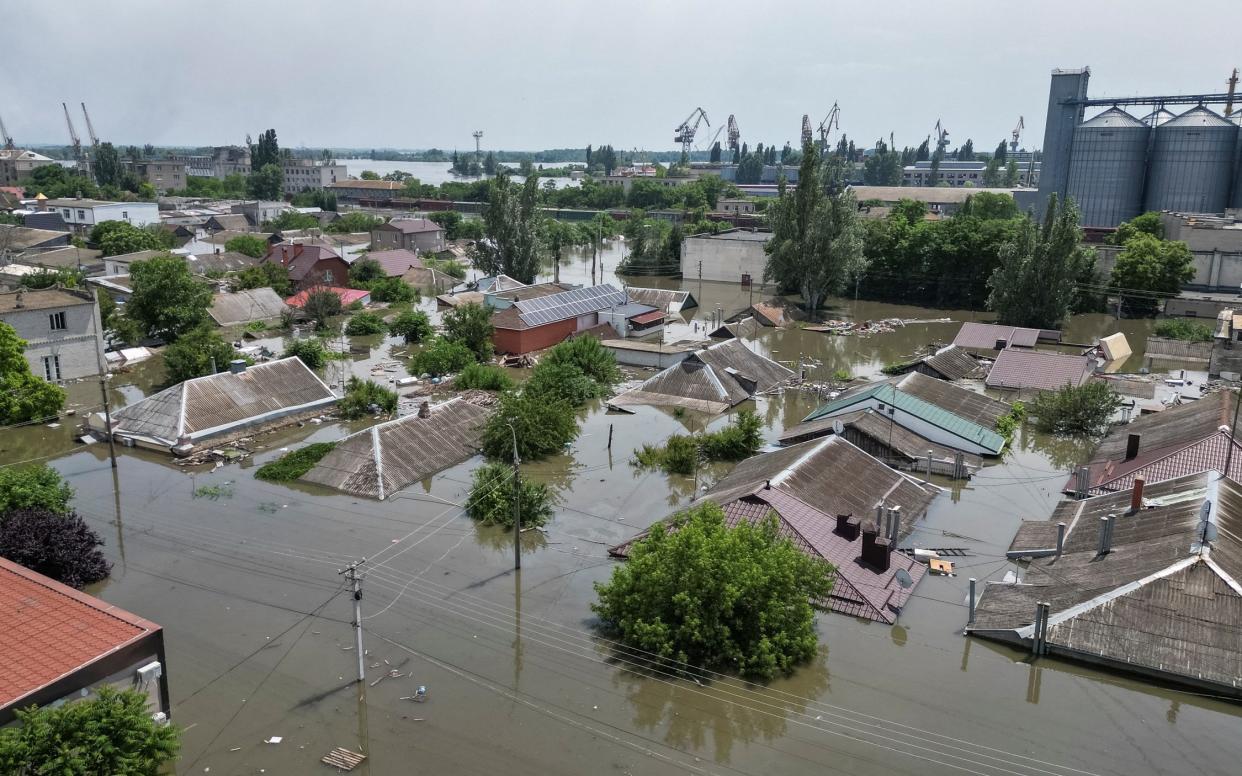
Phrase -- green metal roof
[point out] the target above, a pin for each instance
(926, 411)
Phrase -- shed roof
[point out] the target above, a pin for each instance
(1018, 369)
(68, 257)
(222, 261)
(205, 406)
(49, 631)
(710, 380)
(984, 336)
(233, 222)
(669, 300)
(254, 304)
(19, 238)
(43, 299)
(381, 460)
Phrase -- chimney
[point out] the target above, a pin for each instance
(894, 516)
(1136, 497)
(1132, 446)
(1000, 344)
(847, 527)
(424, 410)
(17, 300)
(1106, 536)
(237, 366)
(874, 548)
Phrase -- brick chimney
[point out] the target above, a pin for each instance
(875, 549)
(1136, 495)
(1132, 446)
(848, 527)
(424, 410)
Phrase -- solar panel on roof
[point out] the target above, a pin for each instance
(568, 304)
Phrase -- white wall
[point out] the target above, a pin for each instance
(723, 259)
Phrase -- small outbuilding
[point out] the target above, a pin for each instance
(710, 380)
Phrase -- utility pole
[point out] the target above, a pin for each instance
(351, 573)
(517, 504)
(103, 386)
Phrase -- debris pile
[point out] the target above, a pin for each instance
(867, 328)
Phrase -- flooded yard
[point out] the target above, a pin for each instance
(243, 576)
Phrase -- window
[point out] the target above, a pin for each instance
(327, 276)
(57, 321)
(65, 212)
(124, 215)
(81, 215)
(51, 369)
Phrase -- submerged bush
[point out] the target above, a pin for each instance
(1085, 409)
(294, 464)
(487, 377)
(680, 453)
(441, 357)
(363, 395)
(365, 323)
(491, 498)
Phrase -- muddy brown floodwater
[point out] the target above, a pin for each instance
(243, 575)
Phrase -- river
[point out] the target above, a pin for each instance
(244, 580)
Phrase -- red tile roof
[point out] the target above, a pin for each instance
(1017, 369)
(651, 317)
(49, 630)
(347, 295)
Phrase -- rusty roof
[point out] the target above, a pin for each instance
(669, 300)
(1019, 369)
(49, 630)
(1161, 601)
(381, 460)
(710, 380)
(984, 336)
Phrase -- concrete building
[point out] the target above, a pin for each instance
(64, 338)
(1215, 243)
(82, 214)
(412, 234)
(361, 192)
(163, 174)
(735, 207)
(309, 174)
(940, 200)
(61, 645)
(230, 160)
(259, 212)
(735, 256)
(956, 174)
(16, 164)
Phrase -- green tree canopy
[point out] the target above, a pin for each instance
(197, 353)
(268, 274)
(1148, 223)
(511, 222)
(544, 427)
(1085, 409)
(107, 165)
(56, 544)
(411, 325)
(266, 182)
(249, 244)
(116, 238)
(291, 220)
(491, 497)
(266, 151)
(309, 349)
(1150, 264)
(321, 305)
(470, 325)
(718, 598)
(111, 733)
(167, 301)
(33, 487)
(23, 396)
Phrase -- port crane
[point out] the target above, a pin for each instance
(73, 134)
(1017, 132)
(806, 130)
(1232, 83)
(5, 137)
(942, 136)
(830, 122)
(734, 134)
(90, 129)
(685, 131)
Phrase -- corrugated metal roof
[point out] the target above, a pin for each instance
(954, 363)
(711, 380)
(254, 304)
(396, 263)
(381, 460)
(1019, 369)
(962, 402)
(669, 300)
(984, 336)
(1161, 433)
(1203, 455)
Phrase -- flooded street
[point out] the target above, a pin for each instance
(243, 575)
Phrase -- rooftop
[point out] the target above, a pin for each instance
(361, 184)
(348, 295)
(1019, 369)
(254, 304)
(19, 238)
(49, 630)
(748, 235)
(711, 380)
(937, 195)
(74, 202)
(951, 362)
(396, 263)
(985, 336)
(412, 225)
(662, 298)
(43, 299)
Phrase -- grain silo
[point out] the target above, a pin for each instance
(1192, 163)
(1158, 117)
(1236, 199)
(1108, 165)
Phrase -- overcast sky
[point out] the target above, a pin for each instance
(536, 75)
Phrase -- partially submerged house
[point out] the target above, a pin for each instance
(855, 528)
(1146, 581)
(1020, 370)
(347, 295)
(252, 304)
(776, 313)
(710, 380)
(949, 363)
(381, 460)
(310, 265)
(204, 409)
(667, 300)
(988, 339)
(542, 321)
(896, 445)
(944, 414)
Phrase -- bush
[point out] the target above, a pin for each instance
(112, 733)
(588, 355)
(471, 325)
(491, 498)
(266, 275)
(1182, 329)
(562, 382)
(294, 464)
(1082, 410)
(1010, 422)
(321, 305)
(543, 426)
(679, 455)
(363, 324)
(194, 355)
(167, 300)
(411, 325)
(392, 291)
(56, 544)
(486, 377)
(310, 350)
(720, 598)
(23, 396)
(362, 395)
(33, 487)
(365, 271)
(441, 357)
(254, 247)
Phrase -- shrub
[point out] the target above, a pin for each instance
(23, 395)
(1182, 329)
(720, 598)
(491, 498)
(362, 395)
(471, 325)
(411, 325)
(486, 377)
(842, 376)
(588, 355)
(266, 275)
(562, 382)
(321, 305)
(194, 355)
(1082, 410)
(33, 487)
(365, 271)
(392, 291)
(250, 245)
(679, 455)
(294, 464)
(310, 350)
(1010, 422)
(363, 324)
(56, 544)
(440, 357)
(543, 426)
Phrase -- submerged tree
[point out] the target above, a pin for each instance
(23, 395)
(511, 222)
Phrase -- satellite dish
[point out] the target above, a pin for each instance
(903, 579)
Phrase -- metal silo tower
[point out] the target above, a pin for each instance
(1108, 164)
(1192, 163)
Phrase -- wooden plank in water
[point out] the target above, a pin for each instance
(343, 759)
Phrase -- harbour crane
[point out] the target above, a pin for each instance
(5, 137)
(1232, 83)
(73, 134)
(1017, 132)
(942, 136)
(806, 130)
(90, 130)
(715, 137)
(685, 131)
(734, 134)
(830, 122)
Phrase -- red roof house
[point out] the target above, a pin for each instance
(310, 265)
(57, 643)
(348, 295)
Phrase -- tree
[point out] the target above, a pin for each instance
(988, 206)
(1148, 223)
(310, 351)
(266, 182)
(589, 357)
(511, 223)
(924, 151)
(23, 396)
(1149, 264)
(107, 165)
(816, 240)
(966, 152)
(1012, 175)
(491, 497)
(992, 176)
(471, 326)
(364, 271)
(718, 598)
(369, 175)
(59, 545)
(292, 220)
(933, 176)
(167, 301)
(714, 155)
(450, 220)
(392, 291)
(411, 325)
(883, 168)
(321, 305)
(364, 324)
(269, 274)
(266, 151)
(197, 353)
(484, 377)
(1084, 409)
(115, 238)
(441, 357)
(543, 426)
(111, 733)
(366, 397)
(1035, 284)
(1001, 153)
(489, 164)
(33, 487)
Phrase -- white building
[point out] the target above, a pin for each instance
(64, 339)
(735, 256)
(83, 214)
(308, 174)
